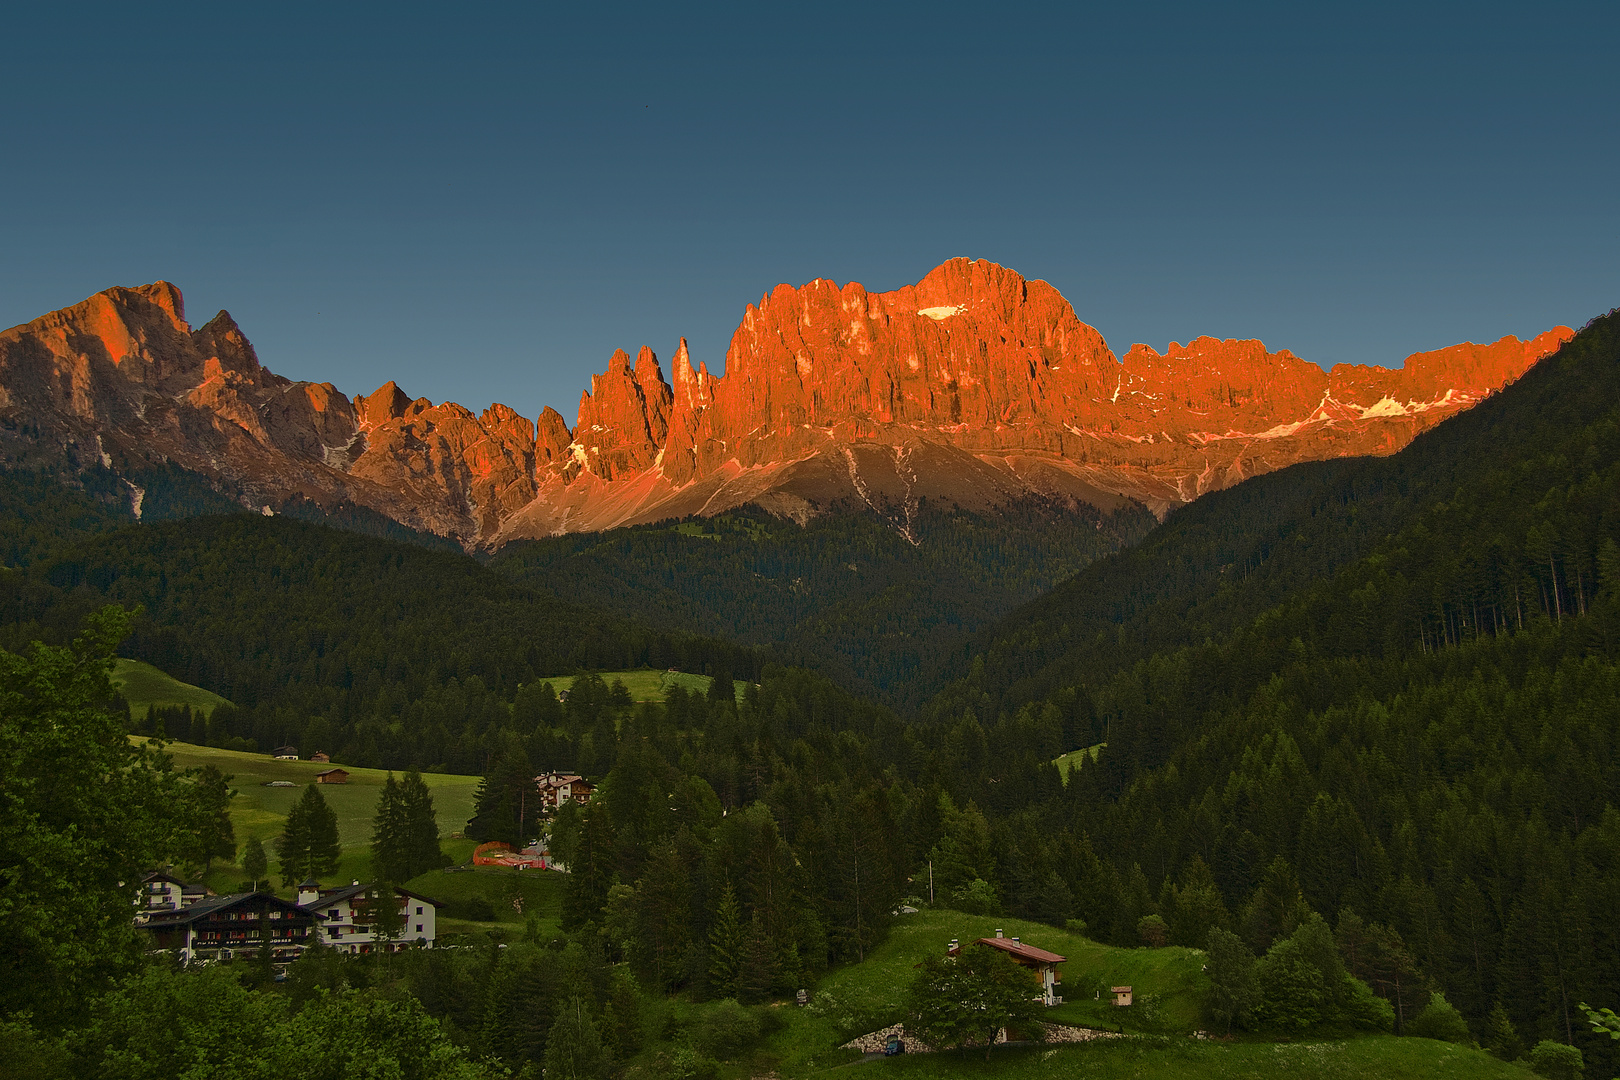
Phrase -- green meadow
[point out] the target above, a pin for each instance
(261, 811)
(144, 686)
(1065, 762)
(647, 684)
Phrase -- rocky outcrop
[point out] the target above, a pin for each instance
(973, 386)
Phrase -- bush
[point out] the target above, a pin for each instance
(1556, 1061)
(478, 909)
(1439, 1020)
(1293, 994)
(1153, 931)
(725, 1029)
(1366, 1010)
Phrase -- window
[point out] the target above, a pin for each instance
(419, 911)
(333, 932)
(333, 913)
(418, 928)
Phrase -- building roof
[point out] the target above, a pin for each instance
(215, 904)
(1019, 951)
(162, 875)
(332, 771)
(337, 896)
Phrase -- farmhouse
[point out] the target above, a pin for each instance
(285, 753)
(220, 927)
(320, 757)
(332, 776)
(559, 788)
(1041, 963)
(348, 923)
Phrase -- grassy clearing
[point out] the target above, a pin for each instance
(647, 684)
(1385, 1057)
(858, 998)
(1068, 761)
(144, 685)
(540, 892)
(261, 811)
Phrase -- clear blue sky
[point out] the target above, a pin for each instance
(482, 201)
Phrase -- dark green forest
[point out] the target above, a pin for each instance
(846, 594)
(399, 655)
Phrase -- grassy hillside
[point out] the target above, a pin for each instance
(1384, 1057)
(647, 684)
(261, 811)
(539, 892)
(870, 995)
(1168, 984)
(1065, 762)
(144, 686)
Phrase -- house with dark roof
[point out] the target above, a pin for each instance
(240, 924)
(347, 922)
(285, 753)
(558, 788)
(332, 776)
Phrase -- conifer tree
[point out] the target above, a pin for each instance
(420, 826)
(727, 943)
(1233, 990)
(308, 846)
(389, 859)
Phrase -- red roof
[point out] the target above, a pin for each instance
(1020, 951)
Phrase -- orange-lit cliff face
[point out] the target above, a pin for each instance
(973, 386)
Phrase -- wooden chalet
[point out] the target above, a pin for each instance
(241, 924)
(285, 753)
(320, 757)
(332, 776)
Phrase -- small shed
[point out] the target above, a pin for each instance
(285, 753)
(332, 776)
(1122, 995)
(322, 758)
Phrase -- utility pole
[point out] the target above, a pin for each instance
(930, 882)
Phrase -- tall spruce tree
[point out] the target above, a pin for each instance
(421, 826)
(308, 845)
(390, 860)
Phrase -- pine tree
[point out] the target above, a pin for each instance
(726, 945)
(212, 835)
(420, 827)
(1233, 989)
(389, 858)
(308, 845)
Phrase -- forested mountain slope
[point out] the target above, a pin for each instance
(399, 655)
(845, 594)
(1388, 689)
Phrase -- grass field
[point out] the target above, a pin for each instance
(539, 890)
(261, 811)
(144, 685)
(1072, 758)
(1179, 1058)
(646, 684)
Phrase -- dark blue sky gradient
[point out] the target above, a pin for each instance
(483, 201)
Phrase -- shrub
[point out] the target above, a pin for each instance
(1366, 1010)
(1293, 994)
(725, 1029)
(1439, 1020)
(1556, 1061)
(1153, 931)
(478, 909)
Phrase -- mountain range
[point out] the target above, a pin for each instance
(974, 387)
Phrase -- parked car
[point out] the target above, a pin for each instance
(893, 1046)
